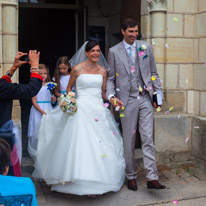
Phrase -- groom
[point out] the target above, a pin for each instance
(131, 82)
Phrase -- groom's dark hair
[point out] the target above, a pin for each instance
(127, 23)
(91, 44)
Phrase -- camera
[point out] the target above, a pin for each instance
(25, 58)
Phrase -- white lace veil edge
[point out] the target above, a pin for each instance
(80, 56)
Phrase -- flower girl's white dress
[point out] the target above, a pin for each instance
(81, 153)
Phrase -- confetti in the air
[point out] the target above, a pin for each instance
(158, 109)
(118, 89)
(153, 78)
(114, 133)
(134, 131)
(196, 127)
(175, 202)
(115, 101)
(95, 119)
(170, 109)
(121, 115)
(104, 155)
(122, 108)
(106, 105)
(187, 139)
(167, 112)
(178, 116)
(117, 74)
(187, 81)
(166, 45)
(138, 97)
(205, 64)
(140, 89)
(153, 41)
(175, 19)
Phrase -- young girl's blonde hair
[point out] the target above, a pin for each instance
(43, 66)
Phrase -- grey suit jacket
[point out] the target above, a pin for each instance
(118, 77)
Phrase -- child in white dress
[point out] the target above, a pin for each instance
(41, 102)
(62, 75)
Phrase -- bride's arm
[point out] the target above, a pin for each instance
(72, 79)
(104, 96)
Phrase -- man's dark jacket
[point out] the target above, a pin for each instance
(9, 92)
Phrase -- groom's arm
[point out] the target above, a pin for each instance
(110, 85)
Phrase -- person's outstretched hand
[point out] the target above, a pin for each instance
(34, 58)
(17, 62)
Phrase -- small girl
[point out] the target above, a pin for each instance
(62, 75)
(41, 102)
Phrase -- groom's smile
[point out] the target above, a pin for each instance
(130, 34)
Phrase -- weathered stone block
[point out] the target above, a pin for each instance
(189, 26)
(196, 50)
(169, 5)
(199, 29)
(158, 49)
(144, 7)
(199, 137)
(9, 19)
(199, 77)
(171, 76)
(170, 134)
(9, 48)
(202, 49)
(202, 103)
(185, 6)
(146, 26)
(179, 50)
(193, 102)
(186, 76)
(174, 28)
(176, 100)
(202, 5)
(158, 24)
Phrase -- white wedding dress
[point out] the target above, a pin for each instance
(81, 153)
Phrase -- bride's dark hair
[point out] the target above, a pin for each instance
(91, 44)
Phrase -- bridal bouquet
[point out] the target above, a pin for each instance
(67, 103)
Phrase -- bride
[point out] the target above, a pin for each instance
(82, 153)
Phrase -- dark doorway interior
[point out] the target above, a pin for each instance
(50, 31)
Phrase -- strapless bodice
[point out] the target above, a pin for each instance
(89, 85)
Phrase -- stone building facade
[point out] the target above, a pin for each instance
(177, 31)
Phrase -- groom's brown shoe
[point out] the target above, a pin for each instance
(132, 185)
(154, 184)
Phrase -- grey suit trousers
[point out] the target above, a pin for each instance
(139, 111)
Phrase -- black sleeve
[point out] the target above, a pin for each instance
(9, 91)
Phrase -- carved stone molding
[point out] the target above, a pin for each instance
(157, 5)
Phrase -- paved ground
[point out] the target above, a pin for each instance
(186, 183)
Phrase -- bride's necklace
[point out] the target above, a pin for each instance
(91, 66)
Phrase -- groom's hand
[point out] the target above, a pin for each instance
(116, 102)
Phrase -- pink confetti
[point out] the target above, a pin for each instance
(114, 133)
(205, 64)
(175, 202)
(132, 68)
(95, 119)
(178, 116)
(148, 1)
(196, 127)
(167, 112)
(187, 139)
(134, 131)
(106, 105)
(141, 53)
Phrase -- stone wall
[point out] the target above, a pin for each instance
(177, 30)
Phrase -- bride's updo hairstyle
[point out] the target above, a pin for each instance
(91, 44)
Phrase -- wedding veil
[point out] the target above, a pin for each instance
(80, 56)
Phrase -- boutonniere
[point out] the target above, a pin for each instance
(141, 51)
